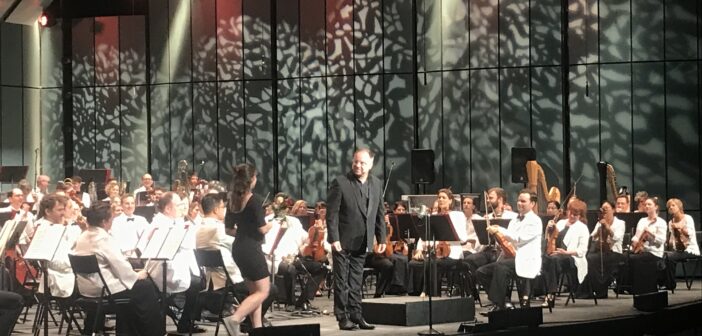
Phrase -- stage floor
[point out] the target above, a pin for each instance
(581, 310)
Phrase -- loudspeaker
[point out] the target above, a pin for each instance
(297, 330)
(509, 318)
(520, 156)
(651, 302)
(423, 166)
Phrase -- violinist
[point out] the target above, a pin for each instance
(147, 183)
(299, 208)
(605, 254)
(112, 191)
(127, 227)
(682, 240)
(483, 255)
(392, 265)
(317, 268)
(15, 199)
(552, 208)
(524, 232)
(41, 190)
(640, 200)
(84, 197)
(194, 213)
(448, 254)
(571, 249)
(647, 247)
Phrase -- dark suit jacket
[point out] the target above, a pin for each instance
(348, 221)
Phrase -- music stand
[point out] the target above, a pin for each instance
(4, 217)
(147, 212)
(392, 218)
(442, 228)
(142, 198)
(631, 219)
(12, 174)
(480, 226)
(407, 224)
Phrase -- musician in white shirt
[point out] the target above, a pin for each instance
(147, 183)
(183, 273)
(41, 190)
(83, 196)
(570, 251)
(143, 315)
(681, 225)
(15, 199)
(524, 232)
(651, 234)
(127, 227)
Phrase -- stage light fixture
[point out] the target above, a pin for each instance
(45, 20)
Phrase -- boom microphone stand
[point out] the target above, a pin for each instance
(428, 283)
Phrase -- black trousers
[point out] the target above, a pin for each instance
(384, 266)
(11, 305)
(348, 278)
(191, 310)
(317, 273)
(643, 268)
(601, 270)
(143, 315)
(420, 273)
(553, 266)
(495, 277)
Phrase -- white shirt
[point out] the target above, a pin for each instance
(618, 227)
(659, 228)
(61, 278)
(127, 229)
(692, 247)
(576, 240)
(458, 219)
(506, 214)
(525, 234)
(115, 268)
(289, 245)
(472, 235)
(183, 264)
(210, 235)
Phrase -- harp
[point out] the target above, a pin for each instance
(537, 184)
(608, 182)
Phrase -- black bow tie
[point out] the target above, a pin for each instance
(520, 218)
(130, 219)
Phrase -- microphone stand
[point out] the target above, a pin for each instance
(428, 283)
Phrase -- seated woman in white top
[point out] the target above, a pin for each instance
(647, 247)
(143, 314)
(682, 238)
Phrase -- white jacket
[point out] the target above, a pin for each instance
(525, 235)
(576, 239)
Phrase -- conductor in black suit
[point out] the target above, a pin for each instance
(355, 214)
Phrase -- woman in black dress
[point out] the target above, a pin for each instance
(245, 211)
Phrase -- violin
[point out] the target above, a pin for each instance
(638, 246)
(315, 247)
(442, 249)
(388, 243)
(679, 237)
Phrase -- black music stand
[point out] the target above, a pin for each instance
(4, 217)
(407, 224)
(99, 176)
(442, 228)
(12, 174)
(392, 218)
(147, 212)
(631, 219)
(142, 198)
(480, 226)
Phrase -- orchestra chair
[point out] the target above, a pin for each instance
(210, 260)
(368, 274)
(105, 304)
(696, 261)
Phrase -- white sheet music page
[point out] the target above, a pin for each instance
(6, 233)
(172, 243)
(155, 243)
(45, 242)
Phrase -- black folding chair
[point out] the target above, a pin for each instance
(86, 266)
(209, 261)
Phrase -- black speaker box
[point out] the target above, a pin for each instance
(520, 156)
(509, 318)
(288, 330)
(651, 302)
(423, 166)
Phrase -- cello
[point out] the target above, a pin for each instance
(315, 247)
(388, 243)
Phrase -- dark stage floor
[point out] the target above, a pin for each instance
(611, 309)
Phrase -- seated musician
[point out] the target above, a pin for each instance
(84, 197)
(640, 201)
(282, 245)
(566, 249)
(210, 234)
(127, 227)
(391, 265)
(647, 249)
(315, 264)
(605, 254)
(682, 239)
(194, 213)
(483, 255)
(299, 208)
(183, 274)
(622, 204)
(448, 254)
(524, 233)
(147, 184)
(552, 208)
(143, 316)
(112, 191)
(15, 200)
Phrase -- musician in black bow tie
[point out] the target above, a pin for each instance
(128, 227)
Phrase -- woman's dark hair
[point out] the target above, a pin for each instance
(242, 177)
(98, 214)
(399, 204)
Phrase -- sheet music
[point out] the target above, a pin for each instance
(172, 242)
(6, 233)
(155, 243)
(45, 242)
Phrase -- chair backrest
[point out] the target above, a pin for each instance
(87, 265)
(209, 258)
